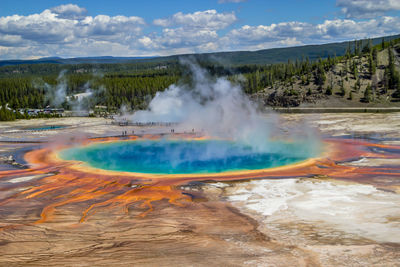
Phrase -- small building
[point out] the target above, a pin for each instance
(54, 111)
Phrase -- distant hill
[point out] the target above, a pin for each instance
(362, 75)
(266, 56)
(366, 79)
(282, 55)
(77, 60)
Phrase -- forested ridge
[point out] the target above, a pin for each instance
(264, 56)
(366, 73)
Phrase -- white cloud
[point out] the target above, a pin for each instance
(367, 8)
(350, 29)
(103, 25)
(69, 11)
(209, 19)
(44, 27)
(182, 37)
(192, 32)
(49, 27)
(289, 33)
(67, 32)
(146, 42)
(10, 40)
(179, 40)
(290, 41)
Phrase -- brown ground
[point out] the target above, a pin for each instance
(206, 232)
(198, 234)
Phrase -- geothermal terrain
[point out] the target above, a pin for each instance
(349, 216)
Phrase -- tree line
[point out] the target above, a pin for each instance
(134, 84)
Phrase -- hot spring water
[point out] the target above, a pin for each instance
(186, 156)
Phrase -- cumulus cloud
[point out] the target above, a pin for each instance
(209, 19)
(367, 8)
(67, 31)
(289, 33)
(191, 32)
(48, 27)
(69, 11)
(271, 32)
(180, 41)
(103, 25)
(66, 28)
(180, 36)
(44, 27)
(10, 40)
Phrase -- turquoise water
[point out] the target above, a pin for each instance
(45, 128)
(185, 156)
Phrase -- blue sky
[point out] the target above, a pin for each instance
(41, 28)
(252, 12)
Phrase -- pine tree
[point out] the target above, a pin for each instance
(392, 73)
(371, 65)
(328, 90)
(397, 93)
(348, 51)
(355, 70)
(368, 94)
(356, 51)
(375, 55)
(320, 76)
(6, 115)
(367, 47)
(342, 90)
(350, 95)
(385, 80)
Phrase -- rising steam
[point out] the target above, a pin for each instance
(214, 106)
(57, 94)
(80, 102)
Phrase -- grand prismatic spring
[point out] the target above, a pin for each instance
(200, 133)
(185, 156)
(216, 183)
(223, 184)
(184, 193)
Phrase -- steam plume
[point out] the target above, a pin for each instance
(212, 105)
(57, 94)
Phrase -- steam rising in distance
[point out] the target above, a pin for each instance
(219, 109)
